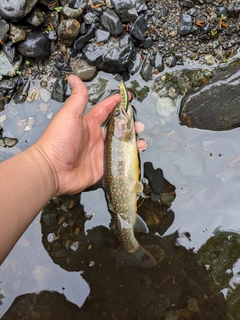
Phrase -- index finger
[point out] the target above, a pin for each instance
(102, 110)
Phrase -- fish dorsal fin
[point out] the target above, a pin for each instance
(140, 225)
(138, 187)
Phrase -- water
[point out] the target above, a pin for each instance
(203, 167)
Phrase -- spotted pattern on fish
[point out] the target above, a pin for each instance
(121, 174)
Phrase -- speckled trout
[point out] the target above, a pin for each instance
(121, 184)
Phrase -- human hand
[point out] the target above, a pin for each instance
(73, 144)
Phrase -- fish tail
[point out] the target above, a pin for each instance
(140, 258)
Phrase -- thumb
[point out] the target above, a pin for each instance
(79, 97)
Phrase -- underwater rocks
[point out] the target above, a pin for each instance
(214, 106)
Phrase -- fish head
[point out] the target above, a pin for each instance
(122, 123)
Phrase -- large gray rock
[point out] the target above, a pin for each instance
(110, 21)
(214, 106)
(16, 9)
(113, 56)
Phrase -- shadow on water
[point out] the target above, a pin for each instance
(193, 227)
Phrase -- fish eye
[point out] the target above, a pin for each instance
(117, 113)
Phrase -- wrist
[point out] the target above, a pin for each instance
(46, 172)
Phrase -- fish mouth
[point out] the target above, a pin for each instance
(124, 96)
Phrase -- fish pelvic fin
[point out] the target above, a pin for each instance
(140, 225)
(140, 258)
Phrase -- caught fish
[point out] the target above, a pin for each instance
(121, 184)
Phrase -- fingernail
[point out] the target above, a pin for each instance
(71, 80)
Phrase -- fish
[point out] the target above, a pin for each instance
(121, 184)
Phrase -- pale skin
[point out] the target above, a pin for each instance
(66, 159)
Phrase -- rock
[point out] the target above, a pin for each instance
(36, 45)
(147, 68)
(90, 18)
(159, 62)
(7, 84)
(83, 39)
(135, 64)
(36, 18)
(138, 28)
(10, 51)
(110, 21)
(83, 69)
(97, 89)
(72, 13)
(16, 9)
(4, 30)
(215, 105)
(113, 56)
(68, 31)
(189, 165)
(126, 10)
(165, 107)
(58, 93)
(209, 59)
(148, 43)
(185, 26)
(17, 34)
(102, 36)
(6, 67)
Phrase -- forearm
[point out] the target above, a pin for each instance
(26, 184)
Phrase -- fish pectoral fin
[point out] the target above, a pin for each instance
(140, 258)
(140, 225)
(138, 187)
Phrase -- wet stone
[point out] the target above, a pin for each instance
(215, 105)
(185, 24)
(113, 56)
(58, 93)
(148, 42)
(159, 62)
(165, 107)
(90, 18)
(4, 30)
(36, 18)
(135, 64)
(102, 36)
(36, 45)
(83, 69)
(17, 34)
(147, 68)
(7, 84)
(83, 39)
(68, 31)
(52, 35)
(72, 13)
(138, 28)
(16, 9)
(6, 68)
(110, 21)
(126, 10)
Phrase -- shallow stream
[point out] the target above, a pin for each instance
(204, 166)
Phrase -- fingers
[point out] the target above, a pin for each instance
(79, 97)
(101, 111)
(141, 145)
(139, 127)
